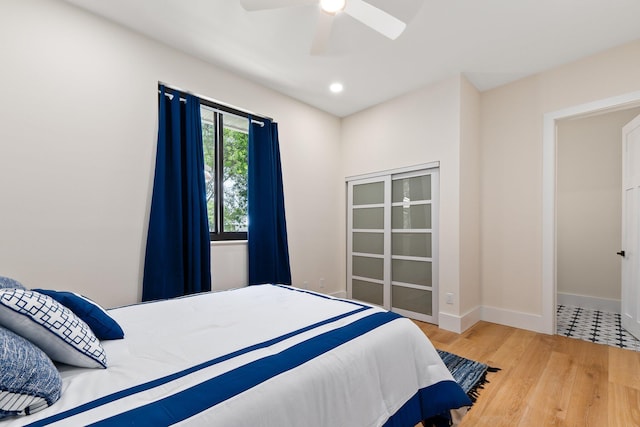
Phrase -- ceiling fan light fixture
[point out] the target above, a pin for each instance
(332, 6)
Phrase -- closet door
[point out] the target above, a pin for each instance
(392, 241)
(368, 225)
(414, 245)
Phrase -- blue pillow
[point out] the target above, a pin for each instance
(9, 283)
(103, 325)
(62, 335)
(29, 381)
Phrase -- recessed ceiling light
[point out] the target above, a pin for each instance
(332, 6)
(336, 87)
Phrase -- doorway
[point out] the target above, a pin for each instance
(588, 223)
(549, 252)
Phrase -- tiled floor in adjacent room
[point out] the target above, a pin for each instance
(595, 326)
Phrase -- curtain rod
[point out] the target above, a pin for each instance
(215, 101)
(219, 111)
(215, 110)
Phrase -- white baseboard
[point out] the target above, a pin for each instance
(516, 319)
(459, 324)
(471, 318)
(593, 303)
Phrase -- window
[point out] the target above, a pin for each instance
(225, 137)
(225, 140)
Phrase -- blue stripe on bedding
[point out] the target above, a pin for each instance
(160, 381)
(187, 403)
(432, 401)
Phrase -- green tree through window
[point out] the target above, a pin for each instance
(236, 145)
(225, 139)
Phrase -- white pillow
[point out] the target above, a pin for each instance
(51, 326)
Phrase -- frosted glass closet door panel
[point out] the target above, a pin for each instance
(412, 300)
(368, 217)
(411, 189)
(369, 267)
(412, 245)
(368, 194)
(411, 217)
(372, 243)
(411, 272)
(368, 291)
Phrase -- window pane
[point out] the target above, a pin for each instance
(235, 168)
(208, 142)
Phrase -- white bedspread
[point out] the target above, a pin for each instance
(240, 336)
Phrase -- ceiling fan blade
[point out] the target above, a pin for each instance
(384, 23)
(320, 42)
(253, 5)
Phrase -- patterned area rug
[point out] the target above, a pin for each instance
(471, 375)
(595, 326)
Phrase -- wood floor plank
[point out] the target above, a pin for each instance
(624, 406)
(512, 349)
(550, 398)
(588, 405)
(508, 403)
(624, 367)
(546, 380)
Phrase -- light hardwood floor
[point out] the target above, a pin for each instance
(546, 380)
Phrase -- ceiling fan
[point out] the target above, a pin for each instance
(379, 20)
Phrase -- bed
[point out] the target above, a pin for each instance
(265, 355)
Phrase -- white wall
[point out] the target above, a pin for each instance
(511, 174)
(589, 204)
(78, 117)
(470, 192)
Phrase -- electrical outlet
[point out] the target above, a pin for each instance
(321, 283)
(449, 298)
(305, 285)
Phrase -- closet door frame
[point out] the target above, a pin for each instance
(386, 177)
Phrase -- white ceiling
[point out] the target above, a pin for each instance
(492, 42)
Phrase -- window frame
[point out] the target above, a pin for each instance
(218, 113)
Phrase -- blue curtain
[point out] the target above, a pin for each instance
(267, 234)
(177, 260)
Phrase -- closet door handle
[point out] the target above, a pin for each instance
(621, 253)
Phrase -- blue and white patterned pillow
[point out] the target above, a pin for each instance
(9, 283)
(104, 326)
(29, 381)
(52, 327)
